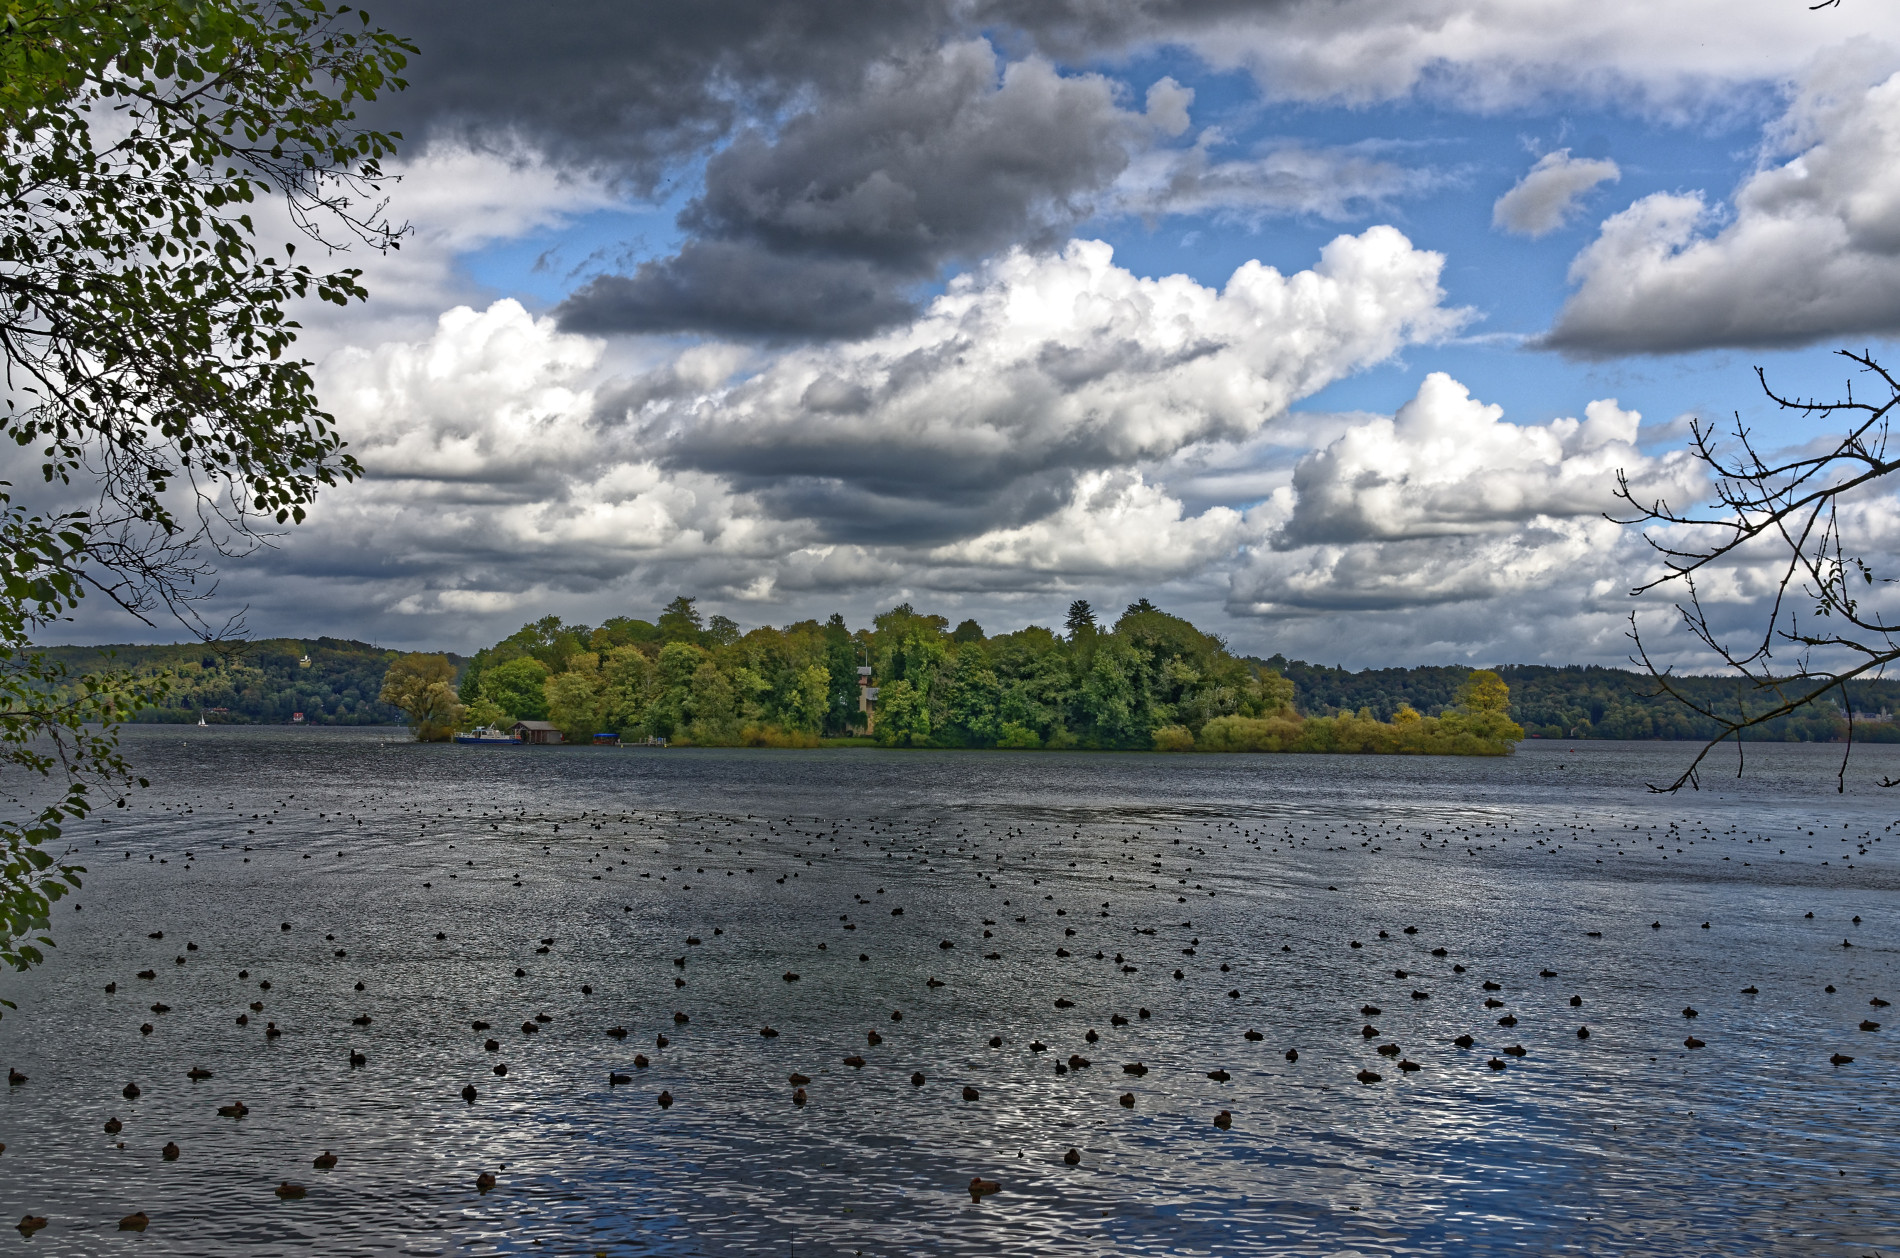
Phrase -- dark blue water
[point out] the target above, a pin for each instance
(1250, 876)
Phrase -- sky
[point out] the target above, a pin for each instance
(1327, 324)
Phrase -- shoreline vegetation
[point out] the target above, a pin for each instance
(1040, 686)
(1152, 681)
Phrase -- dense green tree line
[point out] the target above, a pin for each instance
(1151, 680)
(260, 682)
(1579, 701)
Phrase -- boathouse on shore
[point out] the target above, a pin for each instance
(537, 732)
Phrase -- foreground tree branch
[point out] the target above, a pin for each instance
(1800, 522)
(147, 349)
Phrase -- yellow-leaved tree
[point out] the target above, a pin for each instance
(423, 688)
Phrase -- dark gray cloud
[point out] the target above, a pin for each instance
(740, 288)
(824, 227)
(631, 86)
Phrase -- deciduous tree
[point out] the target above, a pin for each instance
(422, 687)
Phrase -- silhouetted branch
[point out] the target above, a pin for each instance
(1790, 509)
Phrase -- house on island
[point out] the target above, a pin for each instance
(537, 732)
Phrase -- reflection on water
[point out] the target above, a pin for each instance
(549, 872)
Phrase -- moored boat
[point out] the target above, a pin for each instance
(488, 736)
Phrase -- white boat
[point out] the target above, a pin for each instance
(488, 736)
(201, 721)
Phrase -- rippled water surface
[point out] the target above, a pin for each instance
(1043, 897)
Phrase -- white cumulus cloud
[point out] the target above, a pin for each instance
(1043, 366)
(1679, 58)
(1446, 502)
(1810, 250)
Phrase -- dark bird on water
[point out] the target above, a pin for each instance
(14, 1077)
(1369, 1076)
(1408, 1065)
(130, 1092)
(797, 1080)
(981, 1188)
(170, 1151)
(917, 1079)
(197, 1072)
(134, 1222)
(114, 1126)
(969, 1093)
(485, 1181)
(1583, 1032)
(1839, 1059)
(614, 1079)
(1693, 1042)
(1464, 1041)
(1516, 1050)
(666, 1100)
(501, 1068)
(1495, 1064)
(469, 1093)
(358, 1059)
(855, 1062)
(493, 1046)
(1219, 1076)
(236, 1109)
(1127, 1100)
(1223, 1120)
(325, 1161)
(289, 1191)
(1292, 1054)
(640, 1061)
(30, 1223)
(617, 1032)
(873, 1038)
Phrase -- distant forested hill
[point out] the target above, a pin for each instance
(258, 682)
(1581, 701)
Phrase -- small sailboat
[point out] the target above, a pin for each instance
(201, 721)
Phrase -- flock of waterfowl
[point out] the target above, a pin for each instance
(1077, 915)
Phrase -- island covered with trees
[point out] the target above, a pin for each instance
(1150, 681)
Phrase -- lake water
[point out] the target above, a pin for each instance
(1223, 895)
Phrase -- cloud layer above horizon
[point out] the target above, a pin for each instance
(1328, 325)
